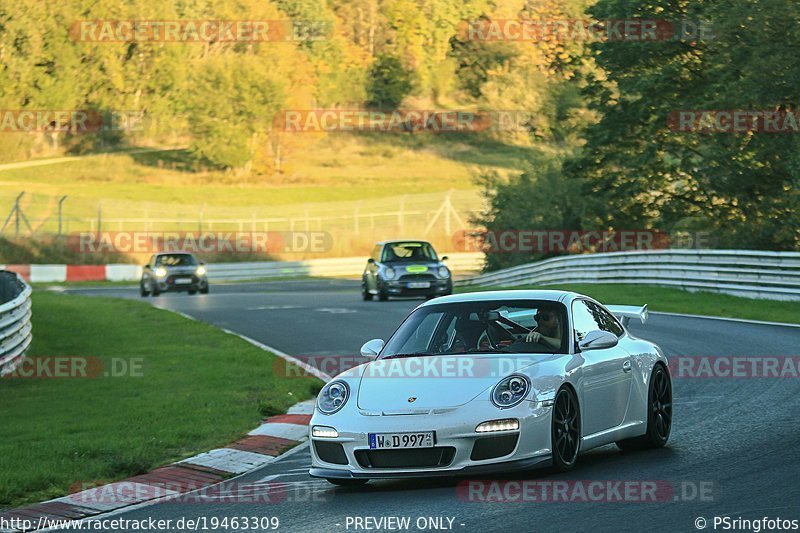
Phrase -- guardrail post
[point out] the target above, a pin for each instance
(60, 205)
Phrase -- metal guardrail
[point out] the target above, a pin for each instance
(15, 320)
(348, 266)
(752, 274)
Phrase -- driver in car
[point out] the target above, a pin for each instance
(548, 328)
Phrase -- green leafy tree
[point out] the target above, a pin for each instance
(744, 186)
(388, 82)
(233, 101)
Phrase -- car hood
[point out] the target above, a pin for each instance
(437, 382)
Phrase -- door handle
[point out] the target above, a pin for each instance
(626, 366)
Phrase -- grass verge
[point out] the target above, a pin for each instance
(670, 300)
(193, 388)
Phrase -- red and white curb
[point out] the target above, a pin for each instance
(62, 273)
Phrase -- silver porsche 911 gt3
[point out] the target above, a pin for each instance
(493, 382)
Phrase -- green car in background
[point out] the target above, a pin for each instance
(405, 268)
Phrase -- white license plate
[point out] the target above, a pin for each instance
(182, 281)
(419, 285)
(420, 439)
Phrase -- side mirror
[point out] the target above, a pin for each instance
(370, 260)
(372, 348)
(203, 263)
(147, 266)
(598, 340)
(444, 258)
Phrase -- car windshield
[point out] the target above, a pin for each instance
(408, 251)
(515, 326)
(176, 260)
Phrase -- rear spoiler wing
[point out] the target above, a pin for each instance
(625, 312)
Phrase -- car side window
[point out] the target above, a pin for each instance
(583, 320)
(605, 320)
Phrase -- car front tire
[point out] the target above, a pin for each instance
(382, 296)
(659, 413)
(142, 292)
(565, 430)
(365, 294)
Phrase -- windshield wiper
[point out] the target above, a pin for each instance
(414, 354)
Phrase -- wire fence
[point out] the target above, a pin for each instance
(353, 226)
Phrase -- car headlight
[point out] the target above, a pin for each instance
(332, 397)
(201, 270)
(444, 272)
(510, 391)
(161, 272)
(388, 273)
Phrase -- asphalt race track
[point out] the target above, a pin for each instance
(732, 452)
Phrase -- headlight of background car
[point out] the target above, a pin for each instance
(161, 272)
(201, 270)
(443, 272)
(389, 273)
(510, 391)
(332, 397)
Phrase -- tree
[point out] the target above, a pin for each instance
(233, 102)
(742, 185)
(388, 83)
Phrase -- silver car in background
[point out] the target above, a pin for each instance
(173, 272)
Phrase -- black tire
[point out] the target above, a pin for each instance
(192, 293)
(347, 482)
(365, 295)
(565, 432)
(156, 292)
(142, 292)
(659, 413)
(449, 289)
(204, 290)
(382, 296)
